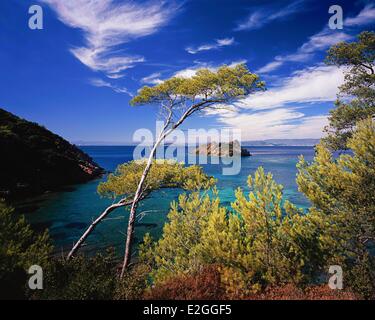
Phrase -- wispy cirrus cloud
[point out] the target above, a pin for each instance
(153, 78)
(97, 82)
(323, 40)
(318, 42)
(107, 24)
(219, 43)
(191, 71)
(364, 17)
(265, 15)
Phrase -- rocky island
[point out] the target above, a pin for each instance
(223, 149)
(35, 160)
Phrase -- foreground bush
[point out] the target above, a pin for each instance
(267, 242)
(20, 248)
(80, 278)
(291, 292)
(204, 284)
(263, 241)
(93, 278)
(341, 192)
(133, 284)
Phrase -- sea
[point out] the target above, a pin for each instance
(68, 213)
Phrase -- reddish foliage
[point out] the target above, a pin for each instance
(206, 285)
(203, 285)
(290, 292)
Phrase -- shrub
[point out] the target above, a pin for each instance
(20, 248)
(204, 284)
(291, 292)
(133, 284)
(80, 278)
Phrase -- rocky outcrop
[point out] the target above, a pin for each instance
(223, 149)
(34, 160)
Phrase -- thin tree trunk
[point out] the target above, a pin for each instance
(92, 226)
(163, 134)
(138, 195)
(133, 209)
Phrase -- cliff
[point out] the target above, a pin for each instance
(34, 160)
(223, 149)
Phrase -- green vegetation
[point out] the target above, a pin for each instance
(79, 278)
(124, 183)
(263, 247)
(206, 86)
(358, 59)
(178, 99)
(342, 195)
(263, 242)
(34, 160)
(266, 242)
(259, 243)
(20, 248)
(163, 174)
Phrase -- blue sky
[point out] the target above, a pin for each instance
(77, 75)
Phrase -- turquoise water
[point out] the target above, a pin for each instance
(67, 214)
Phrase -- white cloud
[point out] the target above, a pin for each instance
(273, 65)
(278, 123)
(314, 84)
(366, 16)
(323, 40)
(318, 42)
(101, 83)
(225, 42)
(187, 73)
(212, 46)
(191, 71)
(263, 16)
(309, 127)
(106, 25)
(153, 78)
(115, 76)
(277, 113)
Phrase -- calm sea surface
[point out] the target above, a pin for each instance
(67, 214)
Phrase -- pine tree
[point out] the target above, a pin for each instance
(123, 184)
(20, 248)
(261, 241)
(342, 195)
(358, 60)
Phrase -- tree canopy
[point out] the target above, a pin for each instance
(20, 248)
(343, 189)
(358, 60)
(341, 192)
(264, 240)
(221, 85)
(163, 174)
(179, 98)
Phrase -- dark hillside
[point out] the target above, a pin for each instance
(34, 160)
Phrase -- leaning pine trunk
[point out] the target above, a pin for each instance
(133, 209)
(163, 134)
(92, 226)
